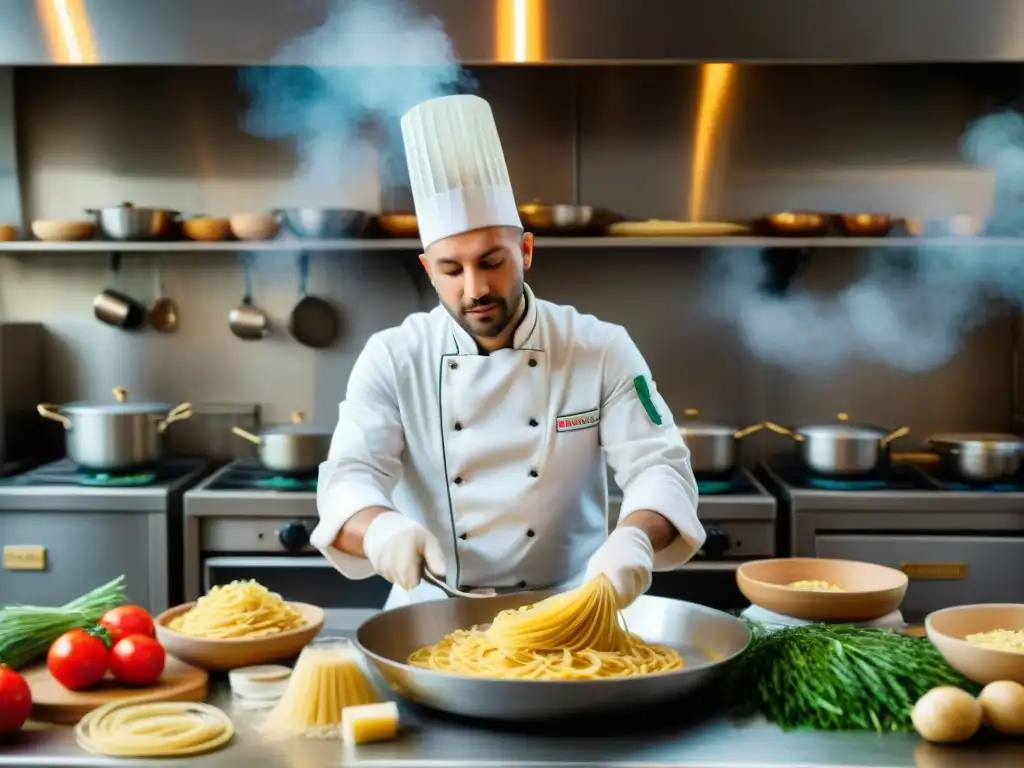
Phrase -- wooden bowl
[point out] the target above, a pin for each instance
(866, 224)
(795, 224)
(255, 226)
(63, 231)
(401, 225)
(869, 591)
(8, 233)
(948, 627)
(224, 655)
(206, 228)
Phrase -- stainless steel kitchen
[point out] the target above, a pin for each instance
(807, 218)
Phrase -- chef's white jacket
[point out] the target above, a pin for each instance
(502, 456)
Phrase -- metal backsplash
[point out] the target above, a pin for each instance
(232, 32)
(830, 137)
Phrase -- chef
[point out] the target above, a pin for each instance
(473, 439)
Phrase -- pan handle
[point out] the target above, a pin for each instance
(896, 434)
(178, 413)
(52, 412)
(246, 435)
(303, 274)
(771, 425)
(747, 431)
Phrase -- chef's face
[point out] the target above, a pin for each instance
(478, 276)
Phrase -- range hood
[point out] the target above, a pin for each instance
(241, 32)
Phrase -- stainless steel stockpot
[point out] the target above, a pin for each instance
(842, 448)
(114, 437)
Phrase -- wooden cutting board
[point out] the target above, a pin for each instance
(53, 703)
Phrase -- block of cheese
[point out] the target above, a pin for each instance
(369, 722)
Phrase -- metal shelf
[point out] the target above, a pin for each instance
(290, 245)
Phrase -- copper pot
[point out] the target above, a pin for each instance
(399, 224)
(794, 224)
(866, 224)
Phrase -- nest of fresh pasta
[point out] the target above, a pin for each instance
(241, 610)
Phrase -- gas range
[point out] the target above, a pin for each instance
(64, 532)
(61, 485)
(957, 543)
(264, 493)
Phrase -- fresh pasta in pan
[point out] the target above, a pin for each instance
(577, 635)
(239, 610)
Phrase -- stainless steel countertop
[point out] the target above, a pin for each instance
(668, 738)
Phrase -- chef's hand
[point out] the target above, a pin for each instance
(627, 559)
(397, 548)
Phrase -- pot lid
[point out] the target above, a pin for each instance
(691, 425)
(297, 426)
(83, 407)
(296, 429)
(850, 431)
(991, 439)
(120, 406)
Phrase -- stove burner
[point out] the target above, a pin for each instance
(832, 484)
(250, 475)
(105, 480)
(709, 487)
(896, 477)
(279, 483)
(64, 473)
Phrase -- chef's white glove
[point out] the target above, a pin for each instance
(397, 548)
(627, 559)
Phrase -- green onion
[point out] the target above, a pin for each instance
(27, 631)
(837, 678)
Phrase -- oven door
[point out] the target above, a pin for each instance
(304, 579)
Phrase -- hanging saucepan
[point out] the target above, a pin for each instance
(114, 437)
(980, 456)
(842, 448)
(712, 446)
(290, 449)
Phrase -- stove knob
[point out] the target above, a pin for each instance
(717, 542)
(293, 536)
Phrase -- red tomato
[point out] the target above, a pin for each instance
(15, 700)
(78, 659)
(127, 620)
(137, 660)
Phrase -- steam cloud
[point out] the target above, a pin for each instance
(394, 58)
(911, 308)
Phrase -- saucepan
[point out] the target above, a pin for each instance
(114, 437)
(842, 448)
(297, 448)
(713, 447)
(708, 640)
(980, 456)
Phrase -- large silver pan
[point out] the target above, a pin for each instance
(709, 641)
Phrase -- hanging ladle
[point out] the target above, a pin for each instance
(163, 315)
(247, 321)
